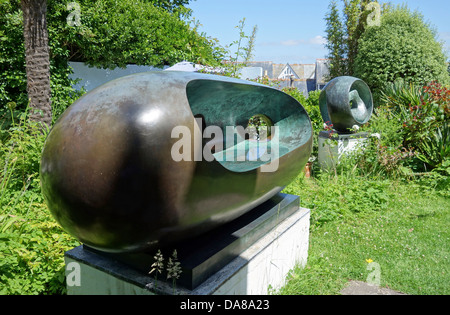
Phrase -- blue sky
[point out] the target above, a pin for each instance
(293, 31)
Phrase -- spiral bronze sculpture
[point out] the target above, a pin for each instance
(346, 102)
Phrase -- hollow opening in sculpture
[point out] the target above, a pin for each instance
(259, 124)
(360, 100)
(259, 127)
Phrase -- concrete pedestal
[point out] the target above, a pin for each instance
(333, 145)
(247, 257)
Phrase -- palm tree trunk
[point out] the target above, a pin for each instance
(37, 60)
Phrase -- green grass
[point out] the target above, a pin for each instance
(401, 226)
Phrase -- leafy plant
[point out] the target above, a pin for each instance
(374, 160)
(311, 105)
(173, 269)
(434, 149)
(32, 244)
(20, 154)
(157, 266)
(243, 53)
(423, 115)
(135, 33)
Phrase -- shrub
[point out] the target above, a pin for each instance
(402, 47)
(116, 33)
(32, 244)
(311, 105)
(423, 114)
(377, 161)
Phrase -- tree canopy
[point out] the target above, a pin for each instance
(118, 32)
(169, 5)
(402, 47)
(102, 33)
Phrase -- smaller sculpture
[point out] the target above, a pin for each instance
(346, 103)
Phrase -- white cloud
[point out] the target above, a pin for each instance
(445, 36)
(317, 40)
(292, 42)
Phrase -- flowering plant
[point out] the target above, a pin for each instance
(423, 113)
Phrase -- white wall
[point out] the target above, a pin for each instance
(251, 73)
(94, 77)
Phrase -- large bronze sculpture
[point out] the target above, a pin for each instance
(135, 163)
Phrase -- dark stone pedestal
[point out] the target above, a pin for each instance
(219, 253)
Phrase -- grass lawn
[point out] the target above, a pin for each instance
(401, 227)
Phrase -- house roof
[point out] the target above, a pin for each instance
(288, 72)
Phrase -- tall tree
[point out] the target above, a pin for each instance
(335, 42)
(37, 60)
(355, 22)
(343, 35)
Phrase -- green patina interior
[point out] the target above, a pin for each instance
(361, 102)
(227, 103)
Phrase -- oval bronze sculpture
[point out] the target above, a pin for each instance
(108, 171)
(346, 102)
